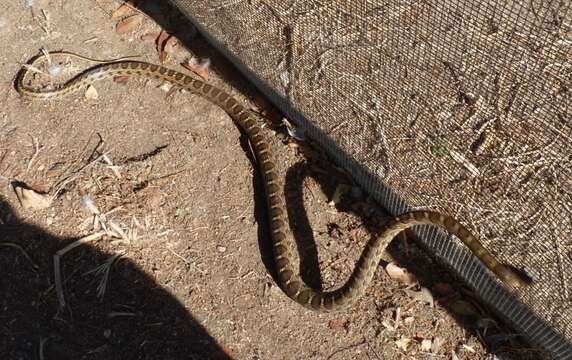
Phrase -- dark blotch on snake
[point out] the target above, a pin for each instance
(206, 89)
(278, 224)
(279, 237)
(215, 92)
(264, 157)
(249, 123)
(154, 67)
(434, 217)
(328, 303)
(304, 296)
(242, 116)
(124, 65)
(115, 65)
(162, 70)
(187, 79)
(133, 65)
(274, 200)
(231, 103)
(280, 263)
(237, 110)
(292, 288)
(178, 76)
(263, 146)
(143, 66)
(279, 249)
(222, 97)
(170, 72)
(197, 84)
(256, 138)
(272, 188)
(267, 166)
(316, 302)
(277, 212)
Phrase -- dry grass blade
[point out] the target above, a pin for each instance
(57, 267)
(18, 247)
(123, 10)
(104, 270)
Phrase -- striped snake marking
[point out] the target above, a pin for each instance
(288, 278)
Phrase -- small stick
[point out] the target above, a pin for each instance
(37, 150)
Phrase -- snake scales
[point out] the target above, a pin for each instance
(288, 278)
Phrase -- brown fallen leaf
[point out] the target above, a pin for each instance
(129, 24)
(171, 45)
(160, 45)
(123, 79)
(150, 36)
(400, 274)
(337, 324)
(198, 67)
(30, 199)
(124, 10)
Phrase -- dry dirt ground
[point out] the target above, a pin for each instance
(182, 269)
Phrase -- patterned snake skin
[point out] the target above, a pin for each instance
(288, 278)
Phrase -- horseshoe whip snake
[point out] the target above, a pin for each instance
(288, 278)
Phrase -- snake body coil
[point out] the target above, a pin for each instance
(288, 278)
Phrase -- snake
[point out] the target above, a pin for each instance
(289, 280)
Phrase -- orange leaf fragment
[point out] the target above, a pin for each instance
(198, 67)
(171, 45)
(129, 24)
(124, 10)
(122, 79)
(149, 36)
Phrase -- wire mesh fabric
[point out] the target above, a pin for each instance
(462, 107)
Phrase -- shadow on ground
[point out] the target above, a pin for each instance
(135, 319)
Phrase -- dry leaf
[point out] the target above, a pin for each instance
(122, 79)
(198, 67)
(123, 10)
(29, 199)
(400, 274)
(403, 343)
(129, 24)
(426, 345)
(160, 45)
(423, 295)
(337, 324)
(171, 45)
(151, 36)
(91, 93)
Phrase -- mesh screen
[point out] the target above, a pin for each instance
(456, 106)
